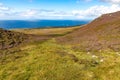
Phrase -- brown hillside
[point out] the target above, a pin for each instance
(102, 33)
(9, 39)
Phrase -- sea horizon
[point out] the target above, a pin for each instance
(26, 24)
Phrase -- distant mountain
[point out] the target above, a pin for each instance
(9, 39)
(101, 34)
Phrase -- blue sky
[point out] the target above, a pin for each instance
(56, 9)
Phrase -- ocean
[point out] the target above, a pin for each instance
(15, 24)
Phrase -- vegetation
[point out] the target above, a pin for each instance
(101, 34)
(10, 39)
(48, 31)
(63, 53)
(51, 61)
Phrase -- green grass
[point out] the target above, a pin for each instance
(51, 61)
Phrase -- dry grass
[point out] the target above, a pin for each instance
(48, 31)
(9, 39)
(51, 61)
(102, 33)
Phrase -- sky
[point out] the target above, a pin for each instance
(56, 9)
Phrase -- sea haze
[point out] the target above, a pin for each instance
(13, 24)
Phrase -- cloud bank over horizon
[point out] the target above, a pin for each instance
(7, 13)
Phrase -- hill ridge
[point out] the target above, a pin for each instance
(102, 33)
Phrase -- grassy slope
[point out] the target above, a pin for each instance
(51, 61)
(48, 31)
(101, 34)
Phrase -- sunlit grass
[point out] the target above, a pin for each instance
(52, 61)
(47, 31)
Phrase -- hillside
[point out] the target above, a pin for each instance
(101, 34)
(47, 31)
(42, 34)
(9, 39)
(91, 52)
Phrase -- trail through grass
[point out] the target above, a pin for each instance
(51, 61)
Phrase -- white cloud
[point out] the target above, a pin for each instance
(112, 1)
(29, 13)
(90, 13)
(96, 11)
(40, 13)
(4, 8)
(4, 11)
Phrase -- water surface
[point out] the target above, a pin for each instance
(13, 24)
